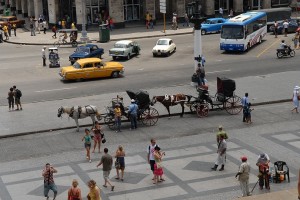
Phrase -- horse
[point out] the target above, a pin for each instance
(79, 112)
(171, 100)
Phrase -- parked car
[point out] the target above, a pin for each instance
(125, 49)
(212, 25)
(12, 19)
(293, 26)
(86, 51)
(89, 68)
(164, 46)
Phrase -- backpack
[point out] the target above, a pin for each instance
(18, 93)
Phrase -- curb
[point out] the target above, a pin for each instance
(102, 123)
(125, 38)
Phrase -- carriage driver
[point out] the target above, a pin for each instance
(133, 112)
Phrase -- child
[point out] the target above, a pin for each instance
(87, 144)
(247, 113)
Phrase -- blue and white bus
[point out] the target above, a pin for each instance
(241, 32)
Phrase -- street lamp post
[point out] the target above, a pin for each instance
(197, 20)
(84, 37)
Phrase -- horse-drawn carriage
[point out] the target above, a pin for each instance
(224, 99)
(146, 114)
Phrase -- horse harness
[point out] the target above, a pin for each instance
(172, 98)
(79, 110)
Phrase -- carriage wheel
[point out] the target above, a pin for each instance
(202, 110)
(110, 122)
(233, 105)
(149, 117)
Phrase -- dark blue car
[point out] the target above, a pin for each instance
(293, 26)
(86, 51)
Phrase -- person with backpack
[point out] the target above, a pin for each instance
(74, 192)
(18, 95)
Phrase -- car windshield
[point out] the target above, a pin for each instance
(83, 49)
(162, 42)
(118, 45)
(232, 32)
(76, 65)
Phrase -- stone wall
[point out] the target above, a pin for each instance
(116, 12)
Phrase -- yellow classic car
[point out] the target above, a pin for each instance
(89, 68)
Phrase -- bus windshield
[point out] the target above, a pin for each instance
(232, 32)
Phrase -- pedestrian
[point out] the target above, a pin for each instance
(18, 95)
(186, 20)
(220, 133)
(222, 147)
(158, 169)
(247, 113)
(133, 112)
(111, 23)
(120, 162)
(118, 115)
(44, 56)
(31, 25)
(87, 144)
(296, 99)
(221, 12)
(74, 193)
(174, 22)
(10, 99)
(5, 30)
(147, 17)
(263, 168)
(45, 26)
(9, 28)
(49, 184)
(151, 23)
(296, 40)
(95, 192)
(106, 161)
(231, 13)
(150, 156)
(275, 29)
(243, 176)
(97, 136)
(73, 25)
(201, 75)
(63, 23)
(14, 26)
(245, 101)
(285, 26)
(54, 30)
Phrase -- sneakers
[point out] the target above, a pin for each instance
(90, 161)
(112, 188)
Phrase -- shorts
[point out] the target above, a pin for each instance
(97, 137)
(17, 101)
(106, 175)
(48, 187)
(87, 145)
(286, 30)
(152, 162)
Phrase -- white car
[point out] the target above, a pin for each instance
(164, 46)
(125, 49)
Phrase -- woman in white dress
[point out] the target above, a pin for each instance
(295, 99)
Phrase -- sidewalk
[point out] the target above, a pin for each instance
(285, 194)
(24, 37)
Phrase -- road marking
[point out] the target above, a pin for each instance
(227, 70)
(56, 89)
(266, 49)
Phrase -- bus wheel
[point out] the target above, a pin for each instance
(248, 46)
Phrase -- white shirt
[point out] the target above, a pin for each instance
(220, 10)
(150, 150)
(285, 24)
(282, 46)
(174, 19)
(43, 53)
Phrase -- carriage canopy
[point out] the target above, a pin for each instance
(225, 86)
(141, 97)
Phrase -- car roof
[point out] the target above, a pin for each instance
(164, 39)
(124, 42)
(89, 45)
(86, 60)
(217, 18)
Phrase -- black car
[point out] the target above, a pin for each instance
(293, 25)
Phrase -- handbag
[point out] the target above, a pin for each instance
(117, 163)
(103, 140)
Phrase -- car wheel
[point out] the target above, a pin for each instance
(203, 32)
(72, 62)
(154, 55)
(115, 74)
(100, 56)
(114, 57)
(174, 49)
(128, 56)
(168, 54)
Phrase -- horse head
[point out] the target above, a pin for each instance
(60, 111)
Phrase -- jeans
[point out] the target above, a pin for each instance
(133, 120)
(48, 187)
(201, 81)
(118, 123)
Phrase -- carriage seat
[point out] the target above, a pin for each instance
(281, 170)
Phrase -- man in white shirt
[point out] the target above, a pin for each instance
(285, 26)
(221, 11)
(150, 156)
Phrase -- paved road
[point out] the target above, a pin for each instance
(190, 152)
